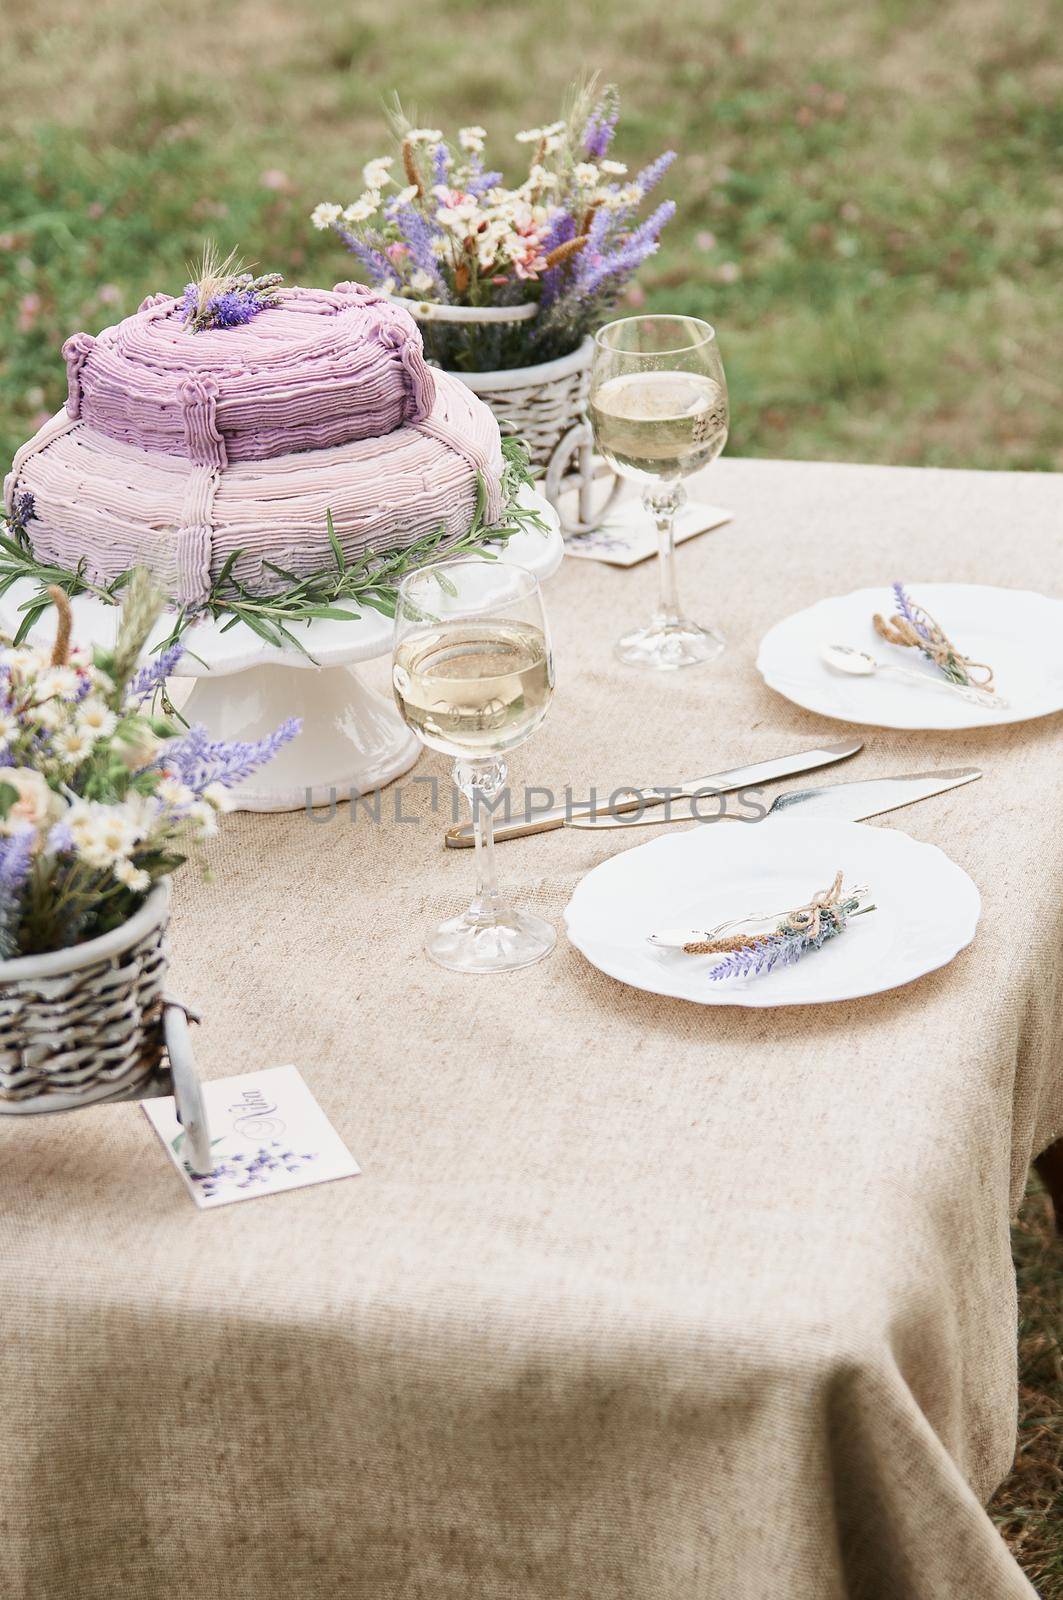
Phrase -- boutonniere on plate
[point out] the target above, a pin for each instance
(913, 628)
(798, 933)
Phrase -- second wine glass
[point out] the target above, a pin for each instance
(658, 408)
(473, 675)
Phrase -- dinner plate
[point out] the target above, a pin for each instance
(1018, 633)
(926, 909)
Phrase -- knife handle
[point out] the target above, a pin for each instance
(460, 837)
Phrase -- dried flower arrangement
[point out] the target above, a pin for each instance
(802, 930)
(439, 225)
(99, 797)
(223, 295)
(915, 629)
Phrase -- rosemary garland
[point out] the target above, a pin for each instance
(369, 583)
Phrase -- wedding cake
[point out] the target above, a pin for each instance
(180, 447)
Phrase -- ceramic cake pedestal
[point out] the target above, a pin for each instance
(353, 739)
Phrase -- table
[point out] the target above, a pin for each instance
(633, 1299)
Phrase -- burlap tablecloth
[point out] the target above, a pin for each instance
(633, 1299)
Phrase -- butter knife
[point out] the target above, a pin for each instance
(845, 802)
(720, 783)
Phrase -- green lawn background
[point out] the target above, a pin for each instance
(870, 195)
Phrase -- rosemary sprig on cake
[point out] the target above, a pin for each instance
(337, 591)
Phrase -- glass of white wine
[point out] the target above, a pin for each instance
(658, 408)
(473, 675)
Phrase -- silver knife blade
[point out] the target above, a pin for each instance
(823, 755)
(847, 802)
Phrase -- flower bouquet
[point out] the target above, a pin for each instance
(545, 259)
(509, 283)
(101, 799)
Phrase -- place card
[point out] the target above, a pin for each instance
(267, 1133)
(626, 535)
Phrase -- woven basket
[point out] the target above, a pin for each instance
(86, 1024)
(544, 405)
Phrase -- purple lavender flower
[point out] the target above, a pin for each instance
(238, 300)
(16, 858)
(23, 510)
(440, 163)
(561, 231)
(598, 271)
(417, 235)
(60, 839)
(481, 181)
(153, 675)
(601, 125)
(763, 955)
(904, 606)
(200, 761)
(651, 176)
(373, 260)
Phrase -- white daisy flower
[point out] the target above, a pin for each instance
(96, 718)
(134, 878)
(612, 169)
(404, 196)
(424, 136)
(8, 727)
(172, 792)
(421, 281)
(324, 215)
(585, 174)
(472, 139)
(363, 208)
(218, 796)
(529, 135)
(375, 173)
(202, 812)
(72, 744)
(61, 681)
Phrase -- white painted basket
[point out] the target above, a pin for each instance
(545, 405)
(91, 1024)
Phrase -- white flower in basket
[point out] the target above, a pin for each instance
(100, 801)
(508, 284)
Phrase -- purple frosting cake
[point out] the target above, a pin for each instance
(177, 448)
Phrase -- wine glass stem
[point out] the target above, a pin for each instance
(662, 503)
(480, 781)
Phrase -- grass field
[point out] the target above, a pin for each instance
(870, 211)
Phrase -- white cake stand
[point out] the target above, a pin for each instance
(353, 739)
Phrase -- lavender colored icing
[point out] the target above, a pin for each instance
(115, 504)
(322, 368)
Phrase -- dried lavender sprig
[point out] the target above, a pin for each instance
(153, 675)
(904, 606)
(200, 761)
(763, 955)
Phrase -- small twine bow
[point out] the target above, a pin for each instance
(915, 629)
(805, 920)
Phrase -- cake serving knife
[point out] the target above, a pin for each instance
(843, 802)
(583, 814)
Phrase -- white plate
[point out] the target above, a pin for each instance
(926, 909)
(1018, 633)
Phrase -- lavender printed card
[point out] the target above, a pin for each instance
(267, 1133)
(626, 535)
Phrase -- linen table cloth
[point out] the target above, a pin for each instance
(633, 1298)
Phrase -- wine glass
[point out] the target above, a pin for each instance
(658, 408)
(473, 675)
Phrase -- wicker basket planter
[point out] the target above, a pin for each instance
(86, 1024)
(545, 405)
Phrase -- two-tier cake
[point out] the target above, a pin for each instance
(178, 448)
